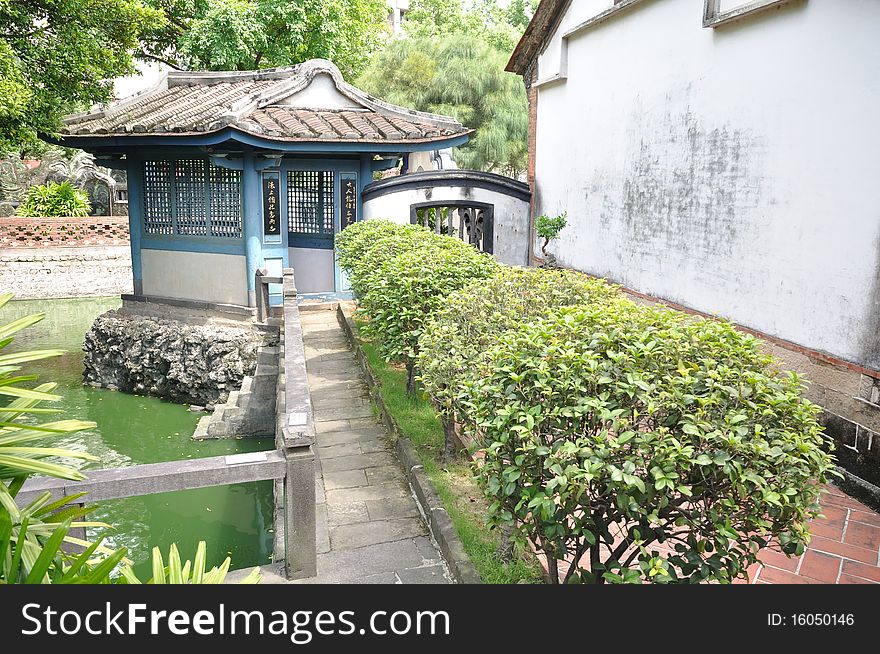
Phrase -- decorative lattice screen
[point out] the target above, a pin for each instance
(225, 194)
(310, 202)
(190, 196)
(198, 199)
(157, 198)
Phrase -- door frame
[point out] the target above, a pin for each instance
(339, 167)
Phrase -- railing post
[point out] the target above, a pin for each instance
(300, 552)
(261, 292)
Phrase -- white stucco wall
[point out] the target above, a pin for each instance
(733, 170)
(511, 215)
(220, 278)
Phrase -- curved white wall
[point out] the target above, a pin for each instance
(511, 214)
(734, 170)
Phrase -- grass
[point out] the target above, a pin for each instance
(455, 484)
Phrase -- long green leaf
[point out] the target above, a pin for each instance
(17, 325)
(50, 550)
(5, 298)
(158, 567)
(26, 357)
(21, 464)
(13, 391)
(16, 556)
(81, 560)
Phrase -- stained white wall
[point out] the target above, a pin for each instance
(733, 170)
(206, 277)
(511, 215)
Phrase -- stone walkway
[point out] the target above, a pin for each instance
(369, 528)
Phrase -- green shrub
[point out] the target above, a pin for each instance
(454, 345)
(374, 241)
(53, 200)
(640, 444)
(405, 289)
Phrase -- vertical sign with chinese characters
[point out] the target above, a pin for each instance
(271, 207)
(349, 201)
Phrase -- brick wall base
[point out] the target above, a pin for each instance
(32, 273)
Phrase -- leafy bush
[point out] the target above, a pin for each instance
(191, 572)
(639, 444)
(55, 200)
(454, 345)
(363, 246)
(405, 289)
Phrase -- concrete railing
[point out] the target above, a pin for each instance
(291, 464)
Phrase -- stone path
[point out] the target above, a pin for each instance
(369, 528)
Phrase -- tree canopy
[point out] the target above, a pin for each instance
(251, 34)
(451, 62)
(57, 56)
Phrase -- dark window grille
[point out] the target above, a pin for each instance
(157, 198)
(472, 222)
(225, 193)
(311, 202)
(191, 197)
(192, 209)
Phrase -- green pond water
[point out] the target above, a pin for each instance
(235, 520)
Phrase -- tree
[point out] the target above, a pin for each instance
(58, 56)
(252, 34)
(463, 77)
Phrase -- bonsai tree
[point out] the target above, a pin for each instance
(53, 200)
(548, 228)
(641, 445)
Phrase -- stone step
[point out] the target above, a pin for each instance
(246, 385)
(218, 430)
(201, 432)
(232, 400)
(243, 399)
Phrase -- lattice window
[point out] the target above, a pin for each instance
(192, 208)
(310, 202)
(158, 218)
(192, 197)
(224, 188)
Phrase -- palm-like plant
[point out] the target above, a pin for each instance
(32, 538)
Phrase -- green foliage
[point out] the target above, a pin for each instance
(454, 345)
(610, 430)
(458, 74)
(189, 572)
(57, 57)
(500, 26)
(252, 34)
(54, 200)
(407, 288)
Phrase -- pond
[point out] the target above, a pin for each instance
(235, 520)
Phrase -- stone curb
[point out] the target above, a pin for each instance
(439, 522)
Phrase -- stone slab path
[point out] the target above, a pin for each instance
(369, 529)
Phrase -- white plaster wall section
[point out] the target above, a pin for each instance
(732, 169)
(511, 214)
(320, 94)
(208, 277)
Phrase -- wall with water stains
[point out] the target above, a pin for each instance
(734, 170)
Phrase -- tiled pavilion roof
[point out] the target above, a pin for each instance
(278, 104)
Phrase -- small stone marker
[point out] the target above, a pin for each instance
(297, 419)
